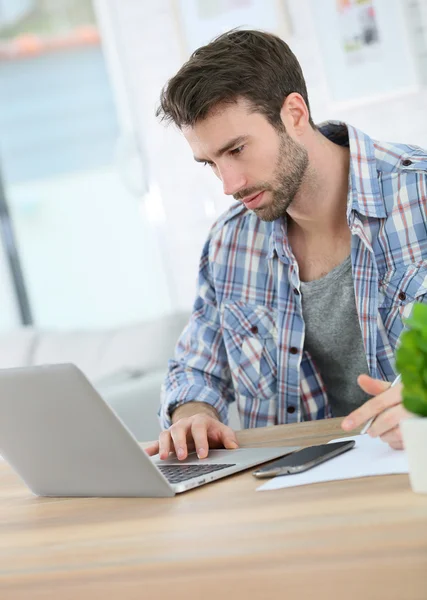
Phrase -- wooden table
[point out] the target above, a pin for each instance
(363, 539)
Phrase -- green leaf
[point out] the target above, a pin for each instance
(418, 319)
(415, 405)
(411, 361)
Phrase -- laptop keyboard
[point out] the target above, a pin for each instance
(178, 473)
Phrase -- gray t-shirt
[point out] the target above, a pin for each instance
(333, 336)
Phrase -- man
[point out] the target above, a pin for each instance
(304, 282)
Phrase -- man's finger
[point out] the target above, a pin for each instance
(179, 438)
(388, 421)
(164, 444)
(228, 438)
(200, 437)
(393, 437)
(153, 449)
(373, 407)
(373, 387)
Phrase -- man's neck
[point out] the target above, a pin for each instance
(319, 209)
(317, 225)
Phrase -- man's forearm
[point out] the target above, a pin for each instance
(190, 409)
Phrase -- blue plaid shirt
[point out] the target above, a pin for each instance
(245, 338)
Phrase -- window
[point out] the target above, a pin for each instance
(89, 255)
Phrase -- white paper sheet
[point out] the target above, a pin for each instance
(369, 457)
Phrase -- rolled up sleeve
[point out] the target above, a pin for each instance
(200, 369)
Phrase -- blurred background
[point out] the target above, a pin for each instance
(103, 211)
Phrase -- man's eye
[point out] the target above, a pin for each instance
(237, 150)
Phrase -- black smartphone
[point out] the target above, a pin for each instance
(304, 459)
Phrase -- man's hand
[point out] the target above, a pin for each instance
(200, 431)
(387, 404)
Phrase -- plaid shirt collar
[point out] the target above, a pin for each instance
(364, 195)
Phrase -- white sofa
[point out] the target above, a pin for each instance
(126, 365)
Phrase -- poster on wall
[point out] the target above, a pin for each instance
(416, 16)
(359, 30)
(365, 49)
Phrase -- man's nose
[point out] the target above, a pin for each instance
(232, 181)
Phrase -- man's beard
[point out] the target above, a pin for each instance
(289, 173)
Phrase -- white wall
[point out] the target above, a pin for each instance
(151, 51)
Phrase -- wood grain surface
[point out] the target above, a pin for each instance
(361, 539)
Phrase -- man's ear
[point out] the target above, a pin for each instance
(294, 114)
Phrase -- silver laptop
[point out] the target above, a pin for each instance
(62, 439)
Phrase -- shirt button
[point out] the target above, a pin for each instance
(291, 409)
(293, 350)
(254, 329)
(402, 296)
(406, 162)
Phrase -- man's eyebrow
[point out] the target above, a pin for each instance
(228, 146)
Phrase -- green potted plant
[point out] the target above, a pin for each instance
(411, 362)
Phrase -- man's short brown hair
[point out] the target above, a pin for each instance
(256, 66)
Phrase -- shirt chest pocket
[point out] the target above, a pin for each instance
(250, 337)
(398, 292)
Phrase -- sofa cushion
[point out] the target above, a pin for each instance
(16, 347)
(83, 348)
(143, 347)
(109, 356)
